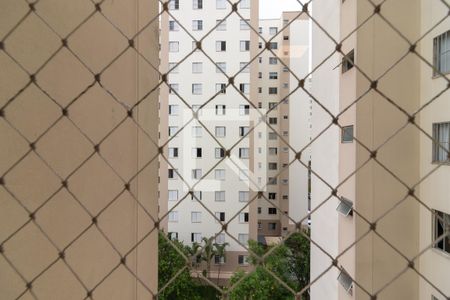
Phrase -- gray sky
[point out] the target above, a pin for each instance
(269, 9)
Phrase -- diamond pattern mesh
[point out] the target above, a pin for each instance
(80, 143)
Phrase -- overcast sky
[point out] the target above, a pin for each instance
(270, 9)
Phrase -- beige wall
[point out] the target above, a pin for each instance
(378, 47)
(434, 191)
(64, 151)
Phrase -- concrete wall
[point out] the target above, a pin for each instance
(40, 217)
(325, 150)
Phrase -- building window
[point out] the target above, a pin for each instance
(220, 110)
(273, 60)
(197, 4)
(259, 75)
(221, 4)
(272, 196)
(174, 46)
(273, 45)
(260, 91)
(221, 46)
(441, 222)
(196, 195)
(220, 131)
(244, 4)
(273, 30)
(260, 30)
(244, 109)
(196, 131)
(245, 67)
(219, 174)
(221, 25)
(273, 75)
(273, 150)
(173, 130)
(173, 195)
(244, 24)
(273, 136)
(286, 38)
(243, 196)
(196, 217)
(272, 210)
(171, 174)
(243, 130)
(196, 152)
(259, 210)
(273, 105)
(197, 25)
(441, 146)
(219, 260)
(220, 216)
(244, 152)
(243, 217)
(260, 45)
(273, 91)
(197, 88)
(173, 236)
(347, 134)
(273, 121)
(243, 238)
(245, 46)
(219, 196)
(272, 226)
(197, 67)
(441, 54)
(219, 153)
(221, 88)
(273, 166)
(196, 173)
(173, 26)
(174, 4)
(173, 88)
(173, 68)
(173, 216)
(173, 152)
(243, 260)
(196, 237)
(220, 239)
(348, 61)
(221, 67)
(260, 60)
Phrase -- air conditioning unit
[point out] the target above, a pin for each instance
(345, 207)
(346, 281)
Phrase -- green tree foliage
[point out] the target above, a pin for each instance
(289, 261)
(183, 287)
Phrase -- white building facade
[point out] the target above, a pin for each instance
(209, 152)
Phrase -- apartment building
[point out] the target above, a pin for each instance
(382, 195)
(204, 190)
(74, 163)
(286, 107)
